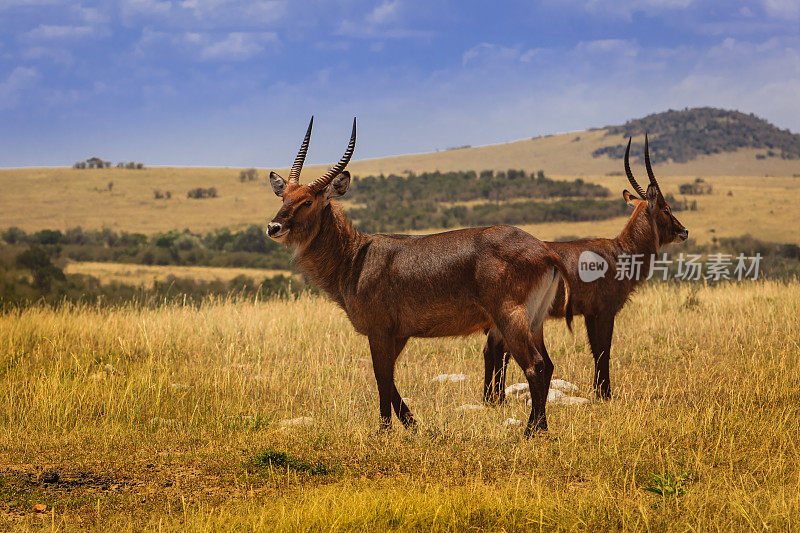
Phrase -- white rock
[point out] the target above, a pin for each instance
(179, 386)
(452, 378)
(563, 386)
(509, 422)
(518, 389)
(470, 407)
(302, 421)
(571, 400)
(554, 395)
(559, 398)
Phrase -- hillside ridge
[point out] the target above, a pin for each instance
(682, 136)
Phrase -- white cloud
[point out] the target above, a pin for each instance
(626, 8)
(52, 32)
(213, 13)
(607, 46)
(7, 4)
(384, 13)
(20, 79)
(90, 15)
(206, 46)
(148, 40)
(385, 21)
(782, 8)
(133, 8)
(236, 46)
(490, 54)
(263, 12)
(57, 55)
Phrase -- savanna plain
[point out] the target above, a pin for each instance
(260, 413)
(170, 418)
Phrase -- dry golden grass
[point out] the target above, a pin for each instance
(707, 381)
(59, 198)
(563, 154)
(146, 275)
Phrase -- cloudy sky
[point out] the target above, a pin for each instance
(233, 83)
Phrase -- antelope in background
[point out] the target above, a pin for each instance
(394, 287)
(651, 226)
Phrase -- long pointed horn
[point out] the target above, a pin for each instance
(323, 181)
(294, 173)
(649, 168)
(629, 173)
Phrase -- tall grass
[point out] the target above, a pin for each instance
(163, 418)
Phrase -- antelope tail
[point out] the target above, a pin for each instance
(558, 264)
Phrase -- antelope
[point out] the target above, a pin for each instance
(393, 287)
(650, 226)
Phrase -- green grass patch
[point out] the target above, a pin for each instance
(269, 458)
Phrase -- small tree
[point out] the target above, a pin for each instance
(43, 270)
(250, 174)
(199, 193)
(13, 235)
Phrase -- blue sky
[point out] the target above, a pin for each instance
(233, 83)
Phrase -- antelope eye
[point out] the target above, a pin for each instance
(307, 203)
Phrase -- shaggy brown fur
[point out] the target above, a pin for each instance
(394, 287)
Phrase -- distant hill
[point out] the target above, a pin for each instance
(682, 136)
(719, 146)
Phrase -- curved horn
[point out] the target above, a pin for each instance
(323, 181)
(649, 168)
(294, 173)
(629, 173)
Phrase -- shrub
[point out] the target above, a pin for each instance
(250, 174)
(13, 235)
(199, 193)
(698, 186)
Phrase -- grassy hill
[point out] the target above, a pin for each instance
(683, 136)
(60, 198)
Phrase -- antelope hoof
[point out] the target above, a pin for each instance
(603, 394)
(535, 431)
(411, 425)
(494, 400)
(385, 428)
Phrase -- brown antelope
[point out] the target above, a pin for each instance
(394, 287)
(651, 226)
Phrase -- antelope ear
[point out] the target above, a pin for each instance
(277, 182)
(338, 186)
(652, 197)
(630, 199)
